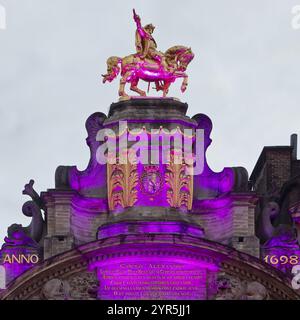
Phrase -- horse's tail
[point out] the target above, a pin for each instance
(113, 69)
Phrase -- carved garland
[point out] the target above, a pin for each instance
(180, 185)
(122, 180)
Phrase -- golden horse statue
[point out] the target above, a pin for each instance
(149, 64)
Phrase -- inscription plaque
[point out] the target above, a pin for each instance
(147, 280)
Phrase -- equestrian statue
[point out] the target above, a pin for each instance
(149, 64)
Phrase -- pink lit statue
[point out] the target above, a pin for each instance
(149, 64)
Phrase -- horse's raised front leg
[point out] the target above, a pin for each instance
(184, 83)
(134, 88)
(166, 88)
(123, 81)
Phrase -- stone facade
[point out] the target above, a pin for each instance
(65, 277)
(97, 218)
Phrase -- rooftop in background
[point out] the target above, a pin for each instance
(275, 166)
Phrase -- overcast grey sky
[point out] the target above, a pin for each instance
(245, 77)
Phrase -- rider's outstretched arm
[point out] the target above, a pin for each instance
(139, 27)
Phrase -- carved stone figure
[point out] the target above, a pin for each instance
(268, 231)
(229, 288)
(232, 288)
(255, 291)
(84, 286)
(56, 289)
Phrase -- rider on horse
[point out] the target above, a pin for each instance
(145, 44)
(149, 64)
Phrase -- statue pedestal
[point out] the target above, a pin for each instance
(151, 113)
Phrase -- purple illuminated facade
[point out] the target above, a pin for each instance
(147, 231)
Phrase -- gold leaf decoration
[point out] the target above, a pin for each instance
(122, 179)
(179, 184)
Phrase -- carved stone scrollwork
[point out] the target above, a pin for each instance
(62, 179)
(36, 228)
(17, 238)
(29, 190)
(241, 179)
(282, 234)
(180, 185)
(233, 288)
(56, 289)
(84, 286)
(80, 286)
(122, 183)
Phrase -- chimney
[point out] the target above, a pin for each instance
(294, 143)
